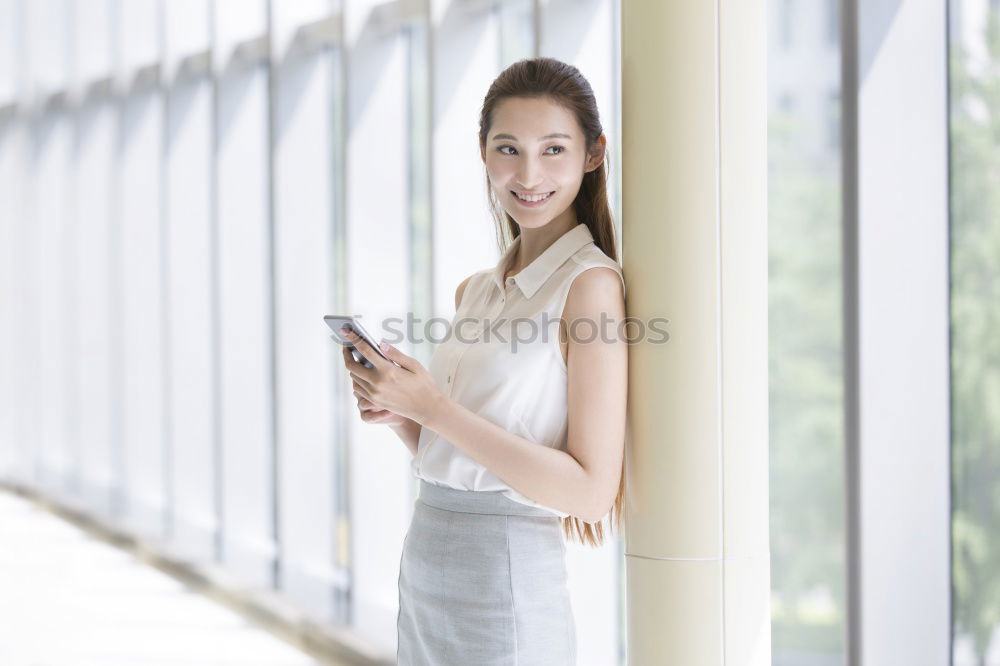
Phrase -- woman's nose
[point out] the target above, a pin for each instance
(528, 176)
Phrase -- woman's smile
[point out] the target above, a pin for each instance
(534, 201)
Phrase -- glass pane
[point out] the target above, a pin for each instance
(806, 405)
(975, 276)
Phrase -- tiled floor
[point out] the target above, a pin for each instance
(68, 599)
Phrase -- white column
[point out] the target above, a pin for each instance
(695, 252)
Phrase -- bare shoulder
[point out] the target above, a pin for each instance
(595, 290)
(461, 290)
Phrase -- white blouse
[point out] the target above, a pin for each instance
(518, 380)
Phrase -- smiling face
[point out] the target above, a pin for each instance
(535, 148)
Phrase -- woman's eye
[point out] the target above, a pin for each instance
(560, 148)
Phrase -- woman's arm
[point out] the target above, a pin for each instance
(409, 432)
(584, 479)
(581, 481)
(549, 476)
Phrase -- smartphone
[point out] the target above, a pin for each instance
(351, 322)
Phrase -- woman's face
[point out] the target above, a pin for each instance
(535, 146)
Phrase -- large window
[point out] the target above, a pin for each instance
(805, 374)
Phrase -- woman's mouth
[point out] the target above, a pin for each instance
(533, 201)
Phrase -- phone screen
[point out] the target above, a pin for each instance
(336, 321)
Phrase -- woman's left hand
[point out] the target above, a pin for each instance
(407, 389)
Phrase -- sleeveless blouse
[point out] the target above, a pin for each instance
(501, 359)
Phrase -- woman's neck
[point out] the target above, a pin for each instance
(533, 242)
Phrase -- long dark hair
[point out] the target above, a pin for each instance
(565, 85)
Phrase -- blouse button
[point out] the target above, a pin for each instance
(449, 379)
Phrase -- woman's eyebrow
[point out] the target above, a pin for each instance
(511, 137)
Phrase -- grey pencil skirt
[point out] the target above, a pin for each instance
(482, 582)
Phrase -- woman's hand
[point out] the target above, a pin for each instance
(371, 414)
(406, 390)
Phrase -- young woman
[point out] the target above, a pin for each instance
(518, 424)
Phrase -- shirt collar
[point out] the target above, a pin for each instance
(534, 275)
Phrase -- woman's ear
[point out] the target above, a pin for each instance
(596, 155)
(482, 153)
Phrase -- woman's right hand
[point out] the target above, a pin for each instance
(369, 414)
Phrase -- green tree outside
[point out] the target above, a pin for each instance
(975, 339)
(806, 397)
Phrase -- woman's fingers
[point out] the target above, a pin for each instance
(357, 372)
(354, 367)
(369, 412)
(361, 385)
(365, 349)
(372, 414)
(379, 416)
(361, 390)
